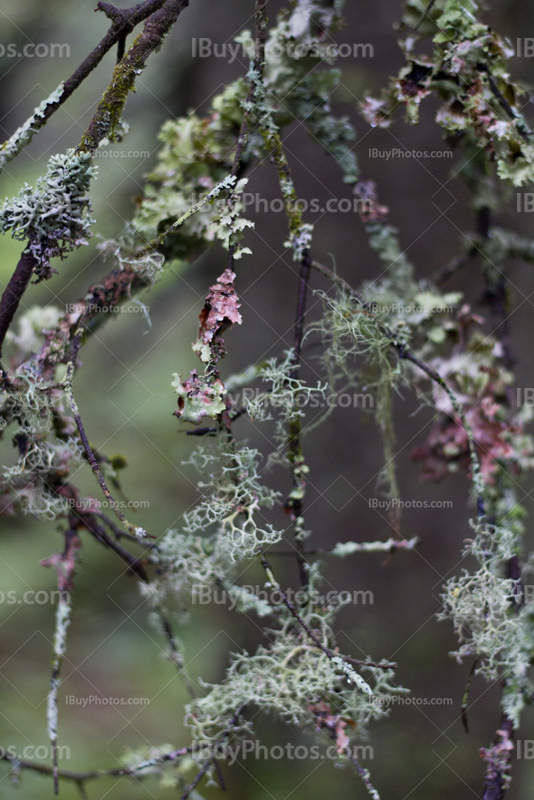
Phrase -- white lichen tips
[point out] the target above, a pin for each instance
(352, 675)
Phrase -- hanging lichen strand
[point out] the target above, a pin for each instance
(394, 333)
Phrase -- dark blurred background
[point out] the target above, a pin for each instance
(126, 402)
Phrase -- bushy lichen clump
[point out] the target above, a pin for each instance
(286, 399)
(45, 461)
(295, 679)
(53, 217)
(493, 618)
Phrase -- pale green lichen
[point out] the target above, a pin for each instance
(63, 616)
(32, 328)
(33, 479)
(233, 498)
(287, 396)
(291, 677)
(198, 397)
(187, 563)
(197, 153)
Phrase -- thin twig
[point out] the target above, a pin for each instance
(425, 14)
(364, 775)
(134, 564)
(81, 777)
(204, 768)
(135, 530)
(465, 698)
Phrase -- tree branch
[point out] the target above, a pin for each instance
(110, 108)
(123, 22)
(13, 293)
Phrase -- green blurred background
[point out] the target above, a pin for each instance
(126, 402)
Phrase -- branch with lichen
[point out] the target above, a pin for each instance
(65, 564)
(123, 23)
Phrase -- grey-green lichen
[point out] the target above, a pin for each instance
(286, 396)
(480, 104)
(493, 623)
(54, 216)
(197, 153)
(63, 617)
(297, 681)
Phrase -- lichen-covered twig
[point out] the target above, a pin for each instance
(81, 777)
(364, 775)
(257, 68)
(110, 107)
(340, 661)
(159, 240)
(348, 548)
(65, 564)
(299, 241)
(123, 22)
